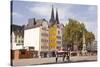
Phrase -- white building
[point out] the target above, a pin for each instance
(59, 36)
(37, 37)
(17, 38)
(44, 37)
(17, 42)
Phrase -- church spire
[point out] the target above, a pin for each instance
(52, 15)
(34, 22)
(57, 18)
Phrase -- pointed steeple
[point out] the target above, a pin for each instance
(34, 21)
(57, 18)
(52, 15)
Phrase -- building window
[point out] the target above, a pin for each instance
(19, 36)
(18, 41)
(59, 47)
(18, 44)
(22, 41)
(44, 40)
(58, 37)
(44, 34)
(31, 48)
(58, 32)
(44, 47)
(44, 28)
(52, 41)
(58, 26)
(58, 42)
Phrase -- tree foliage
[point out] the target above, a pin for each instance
(73, 32)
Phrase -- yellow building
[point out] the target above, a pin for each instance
(52, 37)
(55, 34)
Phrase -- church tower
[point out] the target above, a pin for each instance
(52, 19)
(57, 18)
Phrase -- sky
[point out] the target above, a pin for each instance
(23, 10)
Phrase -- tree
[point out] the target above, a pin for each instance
(73, 33)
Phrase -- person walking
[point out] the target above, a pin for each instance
(68, 55)
(64, 55)
(56, 53)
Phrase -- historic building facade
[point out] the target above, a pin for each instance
(38, 38)
(55, 32)
(45, 37)
(17, 40)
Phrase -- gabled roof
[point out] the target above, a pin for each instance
(18, 30)
(15, 27)
(38, 23)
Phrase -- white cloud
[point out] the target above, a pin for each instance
(16, 14)
(41, 11)
(92, 11)
(64, 13)
(92, 8)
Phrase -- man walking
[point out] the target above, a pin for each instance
(64, 55)
(68, 55)
(56, 53)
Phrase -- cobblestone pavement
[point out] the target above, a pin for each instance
(52, 60)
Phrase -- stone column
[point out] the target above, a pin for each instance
(84, 46)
